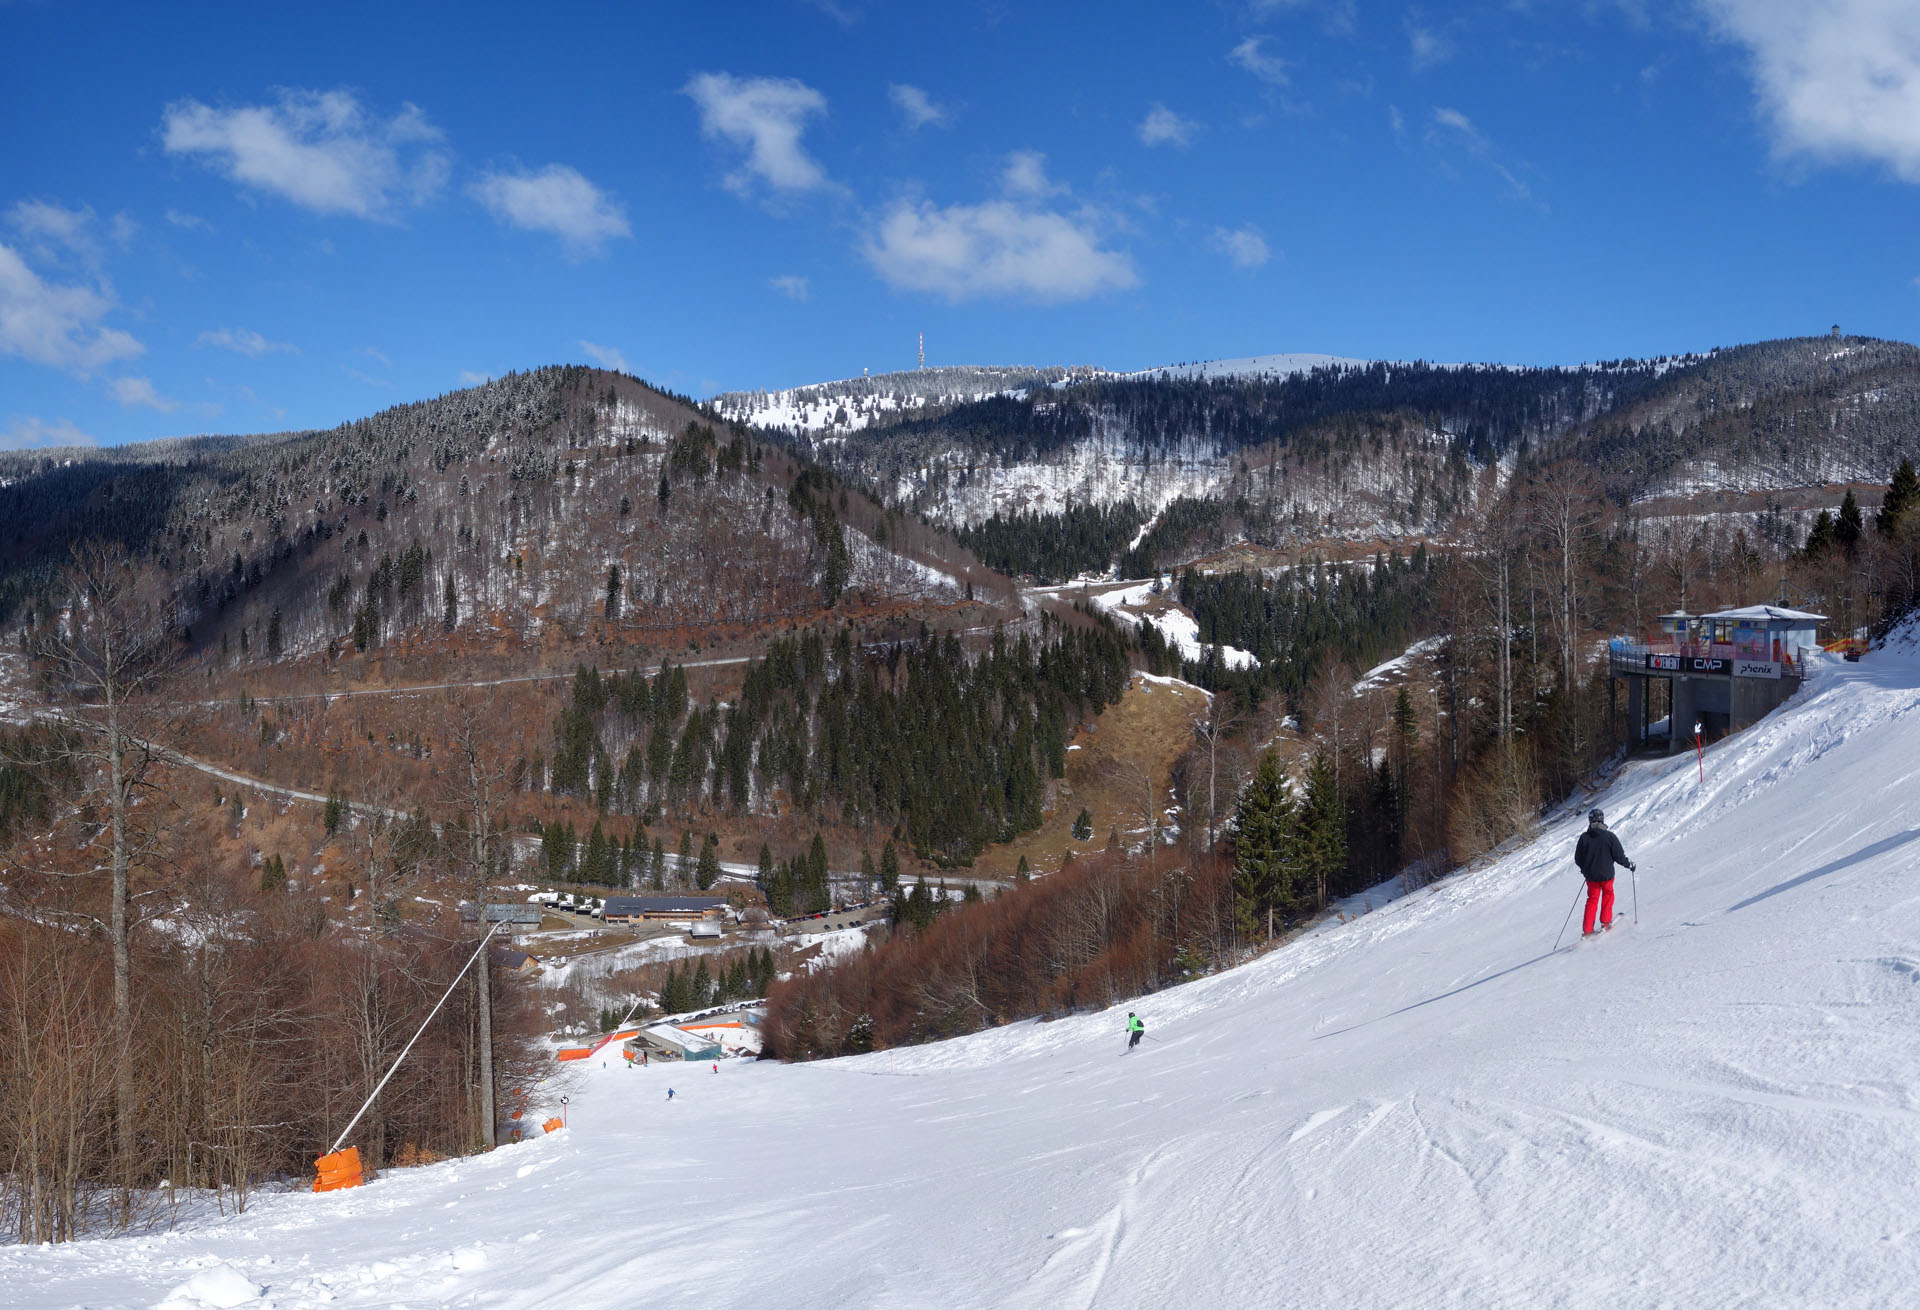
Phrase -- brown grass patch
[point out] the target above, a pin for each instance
(1152, 724)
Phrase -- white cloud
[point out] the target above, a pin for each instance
(915, 106)
(763, 116)
(319, 149)
(28, 432)
(139, 391)
(554, 199)
(243, 341)
(1838, 79)
(468, 378)
(1427, 46)
(1243, 245)
(57, 325)
(1481, 148)
(54, 232)
(1162, 126)
(790, 285)
(1460, 123)
(1268, 68)
(606, 357)
(1026, 175)
(997, 249)
(191, 222)
(378, 356)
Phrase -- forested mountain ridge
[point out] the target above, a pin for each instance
(835, 408)
(547, 501)
(1104, 438)
(1372, 450)
(1777, 414)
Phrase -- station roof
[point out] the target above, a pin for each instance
(678, 1038)
(662, 904)
(1766, 614)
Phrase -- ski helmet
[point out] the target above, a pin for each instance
(1596, 816)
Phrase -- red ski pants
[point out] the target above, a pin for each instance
(1599, 897)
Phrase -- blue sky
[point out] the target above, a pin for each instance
(219, 221)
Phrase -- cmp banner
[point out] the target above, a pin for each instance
(1686, 664)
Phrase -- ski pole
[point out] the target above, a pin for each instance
(1633, 871)
(1569, 919)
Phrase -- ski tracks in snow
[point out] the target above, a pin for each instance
(1076, 1272)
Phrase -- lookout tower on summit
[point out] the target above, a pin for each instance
(1724, 670)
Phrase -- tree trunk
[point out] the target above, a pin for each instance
(117, 933)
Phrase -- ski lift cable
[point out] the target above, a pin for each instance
(416, 1037)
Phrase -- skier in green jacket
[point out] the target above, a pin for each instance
(1135, 1030)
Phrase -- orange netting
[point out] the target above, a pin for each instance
(341, 1169)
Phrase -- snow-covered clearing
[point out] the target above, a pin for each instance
(1396, 668)
(1181, 629)
(1425, 1106)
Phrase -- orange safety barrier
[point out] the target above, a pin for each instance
(552, 1125)
(341, 1169)
(610, 1039)
(575, 1052)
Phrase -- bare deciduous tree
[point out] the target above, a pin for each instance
(101, 665)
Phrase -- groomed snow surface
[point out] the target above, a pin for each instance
(1426, 1106)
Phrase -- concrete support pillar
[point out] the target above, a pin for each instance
(1680, 721)
(1636, 711)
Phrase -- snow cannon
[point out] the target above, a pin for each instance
(341, 1169)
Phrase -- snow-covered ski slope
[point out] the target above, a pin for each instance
(1423, 1107)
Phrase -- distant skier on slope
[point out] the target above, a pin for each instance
(1597, 851)
(1135, 1030)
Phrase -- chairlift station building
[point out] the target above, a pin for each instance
(1723, 671)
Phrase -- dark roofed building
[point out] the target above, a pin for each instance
(508, 960)
(625, 909)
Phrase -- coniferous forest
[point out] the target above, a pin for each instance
(952, 750)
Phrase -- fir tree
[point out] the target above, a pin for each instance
(1323, 830)
(1847, 528)
(1265, 848)
(1820, 536)
(1902, 494)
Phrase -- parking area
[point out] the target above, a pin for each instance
(848, 916)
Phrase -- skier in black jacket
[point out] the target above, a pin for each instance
(1597, 851)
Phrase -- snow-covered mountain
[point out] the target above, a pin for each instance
(1253, 366)
(852, 404)
(1423, 1104)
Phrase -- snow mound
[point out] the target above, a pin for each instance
(219, 1285)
